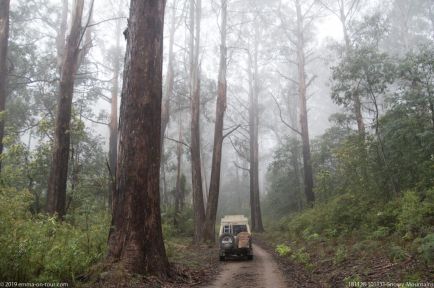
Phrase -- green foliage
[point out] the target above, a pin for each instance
(380, 233)
(183, 226)
(285, 192)
(340, 255)
(346, 213)
(170, 248)
(415, 214)
(374, 190)
(341, 215)
(364, 72)
(283, 250)
(411, 216)
(299, 255)
(307, 235)
(370, 222)
(39, 248)
(397, 253)
(426, 248)
(302, 256)
(365, 246)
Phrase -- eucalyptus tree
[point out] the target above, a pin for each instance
(253, 71)
(298, 34)
(345, 11)
(4, 39)
(71, 59)
(196, 164)
(214, 188)
(136, 241)
(411, 25)
(113, 126)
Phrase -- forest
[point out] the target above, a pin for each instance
(130, 128)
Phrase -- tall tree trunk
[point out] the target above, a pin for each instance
(359, 115)
(255, 207)
(308, 174)
(431, 107)
(356, 98)
(198, 205)
(56, 195)
(113, 139)
(178, 192)
(136, 239)
(295, 157)
(204, 178)
(61, 34)
(4, 39)
(165, 111)
(343, 19)
(167, 96)
(214, 187)
(293, 104)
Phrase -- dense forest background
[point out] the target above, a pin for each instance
(328, 129)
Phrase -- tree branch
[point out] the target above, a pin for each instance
(239, 167)
(95, 121)
(105, 20)
(177, 141)
(238, 151)
(311, 80)
(228, 133)
(287, 78)
(281, 117)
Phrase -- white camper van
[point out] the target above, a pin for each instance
(235, 238)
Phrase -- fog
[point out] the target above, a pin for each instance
(271, 26)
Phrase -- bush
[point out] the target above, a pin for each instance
(411, 215)
(283, 250)
(397, 253)
(426, 248)
(301, 256)
(380, 233)
(184, 226)
(415, 216)
(41, 249)
(339, 216)
(340, 255)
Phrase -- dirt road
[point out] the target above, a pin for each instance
(261, 272)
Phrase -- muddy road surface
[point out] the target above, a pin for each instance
(261, 272)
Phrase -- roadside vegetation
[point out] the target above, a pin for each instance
(374, 215)
(36, 248)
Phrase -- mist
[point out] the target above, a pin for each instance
(162, 138)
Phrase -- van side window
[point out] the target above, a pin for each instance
(227, 229)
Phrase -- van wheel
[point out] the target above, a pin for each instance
(222, 258)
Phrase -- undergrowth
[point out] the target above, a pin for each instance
(399, 229)
(39, 248)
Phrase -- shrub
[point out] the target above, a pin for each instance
(340, 255)
(426, 248)
(39, 248)
(396, 253)
(380, 233)
(365, 245)
(302, 256)
(410, 219)
(283, 250)
(416, 215)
